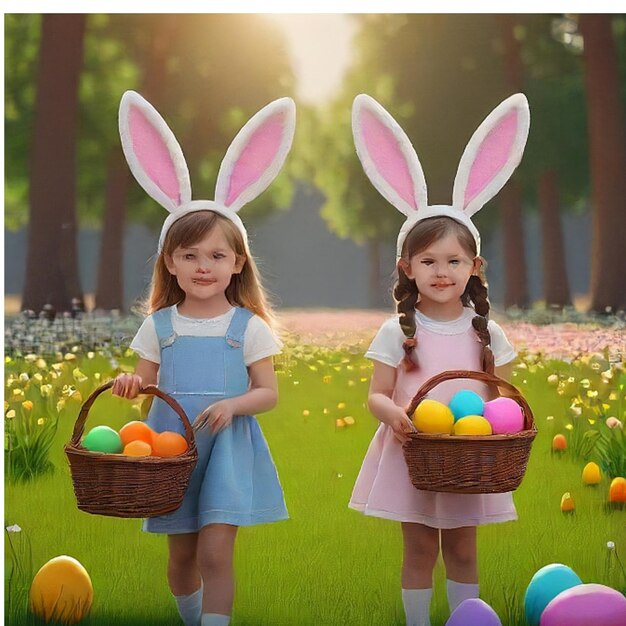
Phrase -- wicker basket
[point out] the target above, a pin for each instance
(464, 464)
(125, 486)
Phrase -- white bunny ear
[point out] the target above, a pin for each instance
(387, 156)
(153, 154)
(256, 154)
(492, 154)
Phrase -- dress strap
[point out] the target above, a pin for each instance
(163, 325)
(237, 327)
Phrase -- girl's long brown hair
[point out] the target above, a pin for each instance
(406, 293)
(245, 289)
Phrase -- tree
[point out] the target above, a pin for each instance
(607, 152)
(51, 267)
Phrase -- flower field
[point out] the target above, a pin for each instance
(327, 565)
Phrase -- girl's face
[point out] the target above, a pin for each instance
(204, 269)
(441, 270)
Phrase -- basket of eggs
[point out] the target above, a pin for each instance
(469, 446)
(134, 473)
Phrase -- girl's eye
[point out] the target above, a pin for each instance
(189, 257)
(455, 261)
(427, 262)
(218, 255)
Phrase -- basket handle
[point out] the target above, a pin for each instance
(513, 392)
(153, 390)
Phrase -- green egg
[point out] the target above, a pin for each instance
(102, 439)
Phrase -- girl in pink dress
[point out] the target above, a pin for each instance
(442, 325)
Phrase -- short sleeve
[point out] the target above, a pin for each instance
(146, 343)
(387, 344)
(503, 351)
(259, 341)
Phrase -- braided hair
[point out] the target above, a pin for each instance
(406, 294)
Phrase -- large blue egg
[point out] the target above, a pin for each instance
(546, 585)
(464, 403)
(473, 612)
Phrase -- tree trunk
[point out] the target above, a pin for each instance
(110, 289)
(607, 156)
(515, 289)
(555, 285)
(515, 284)
(49, 280)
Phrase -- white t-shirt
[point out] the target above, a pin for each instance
(259, 341)
(387, 345)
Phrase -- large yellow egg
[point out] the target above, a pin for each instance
(472, 425)
(591, 474)
(61, 591)
(433, 417)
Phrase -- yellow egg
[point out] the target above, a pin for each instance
(433, 417)
(567, 503)
(472, 425)
(591, 474)
(61, 591)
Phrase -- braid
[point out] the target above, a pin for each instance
(405, 293)
(477, 293)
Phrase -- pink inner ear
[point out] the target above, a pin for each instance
(256, 157)
(491, 157)
(153, 155)
(384, 150)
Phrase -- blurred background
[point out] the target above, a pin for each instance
(78, 226)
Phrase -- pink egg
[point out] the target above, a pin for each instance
(583, 605)
(474, 612)
(504, 415)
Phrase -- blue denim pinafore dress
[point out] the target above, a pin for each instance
(235, 480)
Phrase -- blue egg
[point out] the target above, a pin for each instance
(464, 403)
(546, 585)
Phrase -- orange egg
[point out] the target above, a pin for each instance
(138, 448)
(559, 442)
(617, 491)
(136, 430)
(168, 444)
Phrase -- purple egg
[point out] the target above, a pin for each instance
(583, 605)
(504, 415)
(473, 612)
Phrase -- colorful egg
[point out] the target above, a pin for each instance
(466, 402)
(61, 591)
(433, 417)
(617, 490)
(138, 448)
(591, 474)
(168, 444)
(102, 439)
(504, 415)
(473, 612)
(587, 604)
(546, 585)
(567, 503)
(559, 442)
(472, 425)
(136, 430)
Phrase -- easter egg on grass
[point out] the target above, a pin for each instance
(559, 443)
(473, 612)
(168, 444)
(617, 490)
(567, 503)
(504, 415)
(464, 403)
(591, 474)
(61, 591)
(544, 586)
(433, 417)
(584, 605)
(136, 430)
(137, 448)
(472, 425)
(102, 439)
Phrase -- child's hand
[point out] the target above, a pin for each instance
(127, 386)
(217, 416)
(400, 424)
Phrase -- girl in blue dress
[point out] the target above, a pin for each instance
(208, 343)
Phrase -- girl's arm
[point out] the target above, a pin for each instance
(382, 406)
(128, 385)
(262, 396)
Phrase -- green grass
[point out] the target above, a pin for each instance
(327, 565)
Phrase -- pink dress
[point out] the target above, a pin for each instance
(383, 488)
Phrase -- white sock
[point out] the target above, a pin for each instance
(215, 619)
(457, 592)
(190, 607)
(416, 606)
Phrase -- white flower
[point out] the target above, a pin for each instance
(14, 529)
(610, 545)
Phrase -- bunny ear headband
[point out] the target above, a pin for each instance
(390, 162)
(252, 160)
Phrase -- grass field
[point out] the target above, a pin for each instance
(327, 565)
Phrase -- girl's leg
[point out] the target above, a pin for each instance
(216, 546)
(421, 548)
(458, 546)
(184, 577)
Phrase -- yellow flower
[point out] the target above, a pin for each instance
(70, 357)
(41, 364)
(349, 420)
(585, 383)
(553, 379)
(79, 377)
(327, 379)
(7, 359)
(325, 411)
(339, 423)
(592, 393)
(90, 355)
(569, 426)
(6, 405)
(363, 379)
(341, 405)
(60, 405)
(97, 375)
(11, 414)
(351, 383)
(17, 393)
(58, 367)
(24, 377)
(612, 396)
(40, 421)
(28, 405)
(45, 390)
(29, 358)
(38, 377)
(607, 374)
(306, 413)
